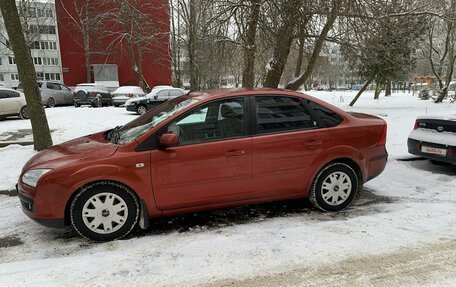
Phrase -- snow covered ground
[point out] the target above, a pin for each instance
(400, 232)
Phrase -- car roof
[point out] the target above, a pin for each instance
(218, 93)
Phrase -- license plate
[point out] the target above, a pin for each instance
(433, 150)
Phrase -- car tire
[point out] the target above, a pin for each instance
(50, 103)
(104, 211)
(23, 113)
(76, 105)
(98, 101)
(334, 187)
(141, 109)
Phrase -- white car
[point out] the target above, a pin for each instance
(122, 94)
(12, 103)
(434, 137)
(158, 95)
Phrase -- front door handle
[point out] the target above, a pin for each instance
(233, 153)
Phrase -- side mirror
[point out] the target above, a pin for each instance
(168, 140)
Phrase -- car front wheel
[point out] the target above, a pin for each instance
(334, 188)
(51, 103)
(104, 211)
(141, 109)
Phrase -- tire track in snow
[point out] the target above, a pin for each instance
(430, 265)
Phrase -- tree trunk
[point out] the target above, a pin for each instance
(360, 92)
(86, 40)
(378, 89)
(300, 55)
(194, 81)
(283, 42)
(298, 82)
(248, 73)
(388, 89)
(41, 134)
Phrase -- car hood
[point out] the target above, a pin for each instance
(91, 146)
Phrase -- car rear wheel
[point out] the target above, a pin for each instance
(334, 187)
(50, 103)
(141, 109)
(23, 113)
(104, 211)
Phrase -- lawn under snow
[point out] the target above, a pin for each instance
(410, 207)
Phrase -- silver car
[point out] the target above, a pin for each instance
(53, 94)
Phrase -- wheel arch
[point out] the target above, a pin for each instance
(67, 219)
(343, 154)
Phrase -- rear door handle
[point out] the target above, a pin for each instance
(233, 153)
(312, 143)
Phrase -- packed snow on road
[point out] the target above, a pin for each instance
(399, 232)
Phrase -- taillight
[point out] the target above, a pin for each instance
(417, 125)
(382, 140)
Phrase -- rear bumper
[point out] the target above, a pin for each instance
(377, 163)
(414, 147)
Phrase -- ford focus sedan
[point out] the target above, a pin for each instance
(200, 151)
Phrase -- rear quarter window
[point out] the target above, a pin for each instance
(324, 116)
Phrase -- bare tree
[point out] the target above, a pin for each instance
(41, 133)
(87, 20)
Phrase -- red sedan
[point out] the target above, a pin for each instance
(201, 151)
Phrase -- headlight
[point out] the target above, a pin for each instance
(31, 177)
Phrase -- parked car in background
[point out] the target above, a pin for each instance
(12, 103)
(434, 137)
(122, 94)
(53, 93)
(201, 151)
(92, 94)
(157, 96)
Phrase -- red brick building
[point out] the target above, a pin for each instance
(148, 30)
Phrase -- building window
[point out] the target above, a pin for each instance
(2, 78)
(32, 12)
(52, 76)
(39, 76)
(14, 77)
(12, 60)
(37, 61)
(35, 45)
(49, 13)
(1, 62)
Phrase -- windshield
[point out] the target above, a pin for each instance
(144, 123)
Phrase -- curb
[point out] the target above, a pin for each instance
(8, 192)
(24, 143)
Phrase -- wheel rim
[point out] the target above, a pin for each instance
(105, 213)
(51, 103)
(141, 110)
(336, 188)
(24, 112)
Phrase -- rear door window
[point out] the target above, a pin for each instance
(281, 114)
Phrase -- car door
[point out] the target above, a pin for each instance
(213, 162)
(286, 141)
(67, 95)
(5, 105)
(58, 94)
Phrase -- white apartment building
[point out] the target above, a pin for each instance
(42, 37)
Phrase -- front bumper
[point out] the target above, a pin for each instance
(131, 108)
(414, 147)
(29, 207)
